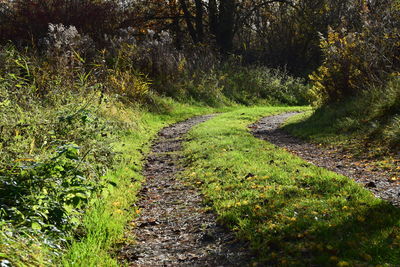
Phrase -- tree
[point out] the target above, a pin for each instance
(28, 19)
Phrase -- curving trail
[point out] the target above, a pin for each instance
(174, 228)
(377, 181)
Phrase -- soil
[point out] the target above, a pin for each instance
(378, 181)
(175, 228)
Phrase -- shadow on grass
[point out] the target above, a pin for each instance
(365, 236)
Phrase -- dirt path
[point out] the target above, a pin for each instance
(338, 161)
(174, 228)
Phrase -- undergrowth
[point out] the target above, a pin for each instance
(356, 89)
(292, 212)
(73, 120)
(53, 155)
(75, 112)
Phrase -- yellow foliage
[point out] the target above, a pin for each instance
(343, 264)
(352, 61)
(129, 84)
(182, 65)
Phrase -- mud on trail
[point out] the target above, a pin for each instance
(335, 160)
(174, 228)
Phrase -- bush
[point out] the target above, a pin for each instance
(232, 82)
(205, 87)
(52, 152)
(355, 61)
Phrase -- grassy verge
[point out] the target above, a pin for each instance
(105, 221)
(292, 213)
(326, 128)
(367, 126)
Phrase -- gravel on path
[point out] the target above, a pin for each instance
(174, 227)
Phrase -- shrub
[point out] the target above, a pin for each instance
(206, 87)
(66, 46)
(128, 85)
(52, 152)
(355, 61)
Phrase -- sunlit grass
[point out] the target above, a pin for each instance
(106, 221)
(292, 212)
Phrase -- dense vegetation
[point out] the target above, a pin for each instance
(81, 81)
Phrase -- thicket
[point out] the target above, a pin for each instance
(277, 33)
(54, 147)
(357, 57)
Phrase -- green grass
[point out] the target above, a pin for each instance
(318, 130)
(348, 126)
(336, 125)
(367, 124)
(106, 220)
(292, 212)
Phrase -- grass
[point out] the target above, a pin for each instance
(366, 125)
(335, 125)
(360, 136)
(105, 222)
(64, 126)
(292, 212)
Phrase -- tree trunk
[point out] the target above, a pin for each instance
(192, 31)
(226, 26)
(213, 17)
(199, 20)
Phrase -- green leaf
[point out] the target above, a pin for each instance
(36, 226)
(72, 153)
(75, 221)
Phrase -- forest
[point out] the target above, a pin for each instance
(270, 127)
